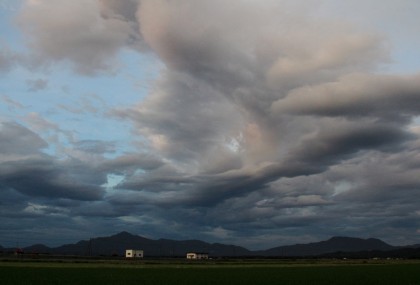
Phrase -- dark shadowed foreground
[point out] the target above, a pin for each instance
(236, 272)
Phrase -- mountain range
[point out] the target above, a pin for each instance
(117, 244)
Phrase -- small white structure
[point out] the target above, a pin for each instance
(197, 255)
(133, 253)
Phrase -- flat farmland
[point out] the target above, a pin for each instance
(255, 272)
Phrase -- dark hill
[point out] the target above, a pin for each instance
(117, 244)
(37, 248)
(334, 244)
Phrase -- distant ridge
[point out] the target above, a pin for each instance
(116, 245)
(334, 244)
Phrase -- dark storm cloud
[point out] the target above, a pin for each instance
(42, 177)
(386, 179)
(239, 111)
(27, 170)
(268, 122)
(340, 140)
(130, 162)
(312, 156)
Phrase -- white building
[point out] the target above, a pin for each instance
(197, 255)
(134, 253)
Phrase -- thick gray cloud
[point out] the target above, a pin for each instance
(186, 118)
(269, 124)
(26, 169)
(41, 177)
(15, 139)
(377, 96)
(278, 99)
(88, 34)
(131, 162)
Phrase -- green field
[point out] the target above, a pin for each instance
(209, 273)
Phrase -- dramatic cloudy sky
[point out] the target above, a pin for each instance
(259, 123)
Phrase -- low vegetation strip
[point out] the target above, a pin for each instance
(63, 274)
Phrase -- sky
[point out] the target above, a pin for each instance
(255, 123)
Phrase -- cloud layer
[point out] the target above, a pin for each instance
(268, 122)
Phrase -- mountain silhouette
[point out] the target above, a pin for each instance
(116, 245)
(334, 244)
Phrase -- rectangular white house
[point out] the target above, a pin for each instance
(133, 253)
(197, 255)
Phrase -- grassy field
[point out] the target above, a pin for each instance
(258, 272)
